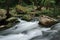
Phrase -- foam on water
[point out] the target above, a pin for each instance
(17, 32)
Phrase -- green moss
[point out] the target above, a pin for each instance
(27, 17)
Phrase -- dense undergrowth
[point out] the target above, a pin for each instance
(27, 10)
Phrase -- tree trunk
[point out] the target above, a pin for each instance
(7, 8)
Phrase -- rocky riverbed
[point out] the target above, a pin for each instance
(30, 31)
(28, 24)
(5, 22)
(25, 13)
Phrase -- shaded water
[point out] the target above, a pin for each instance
(30, 31)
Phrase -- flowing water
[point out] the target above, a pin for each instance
(30, 31)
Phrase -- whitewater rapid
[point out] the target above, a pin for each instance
(27, 31)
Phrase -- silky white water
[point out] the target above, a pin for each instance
(27, 31)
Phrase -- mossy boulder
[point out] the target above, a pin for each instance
(5, 22)
(27, 17)
(12, 19)
(14, 13)
(2, 14)
(10, 22)
(24, 9)
(21, 9)
(7, 26)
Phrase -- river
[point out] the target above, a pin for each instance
(30, 31)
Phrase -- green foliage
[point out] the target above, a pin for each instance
(2, 1)
(44, 3)
(48, 11)
(27, 17)
(47, 2)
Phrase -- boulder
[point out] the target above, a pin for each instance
(2, 14)
(12, 20)
(2, 26)
(46, 20)
(56, 27)
(14, 13)
(24, 9)
(21, 9)
(6, 23)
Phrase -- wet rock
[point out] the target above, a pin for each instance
(5, 22)
(56, 26)
(9, 25)
(46, 20)
(2, 26)
(55, 36)
(10, 22)
(12, 19)
(2, 14)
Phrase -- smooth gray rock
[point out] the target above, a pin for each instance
(56, 26)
